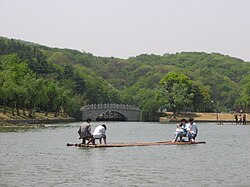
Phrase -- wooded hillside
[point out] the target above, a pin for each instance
(39, 78)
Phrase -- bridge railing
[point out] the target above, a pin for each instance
(109, 106)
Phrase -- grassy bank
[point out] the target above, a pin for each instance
(203, 117)
(8, 120)
(38, 115)
(10, 127)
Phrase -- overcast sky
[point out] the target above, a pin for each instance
(125, 28)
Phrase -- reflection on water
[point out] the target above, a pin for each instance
(40, 157)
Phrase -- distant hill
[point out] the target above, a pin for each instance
(93, 79)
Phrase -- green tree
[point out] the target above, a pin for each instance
(51, 91)
(14, 74)
(178, 93)
(245, 95)
(35, 94)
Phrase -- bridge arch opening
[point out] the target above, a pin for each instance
(111, 115)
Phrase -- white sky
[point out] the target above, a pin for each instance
(125, 28)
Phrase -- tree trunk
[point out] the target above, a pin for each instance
(174, 114)
(4, 107)
(57, 111)
(24, 113)
(17, 108)
(34, 112)
(49, 103)
(30, 110)
(47, 111)
(55, 114)
(30, 113)
(12, 111)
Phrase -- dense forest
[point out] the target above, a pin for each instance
(38, 78)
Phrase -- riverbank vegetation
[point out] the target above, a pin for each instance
(35, 78)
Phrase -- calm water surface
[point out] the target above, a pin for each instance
(40, 157)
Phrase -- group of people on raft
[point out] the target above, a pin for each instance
(86, 135)
(184, 129)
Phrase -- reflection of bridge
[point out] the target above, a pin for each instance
(108, 112)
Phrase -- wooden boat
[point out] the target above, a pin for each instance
(134, 144)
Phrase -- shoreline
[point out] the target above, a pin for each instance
(9, 125)
(7, 119)
(204, 117)
(219, 118)
(226, 122)
(36, 121)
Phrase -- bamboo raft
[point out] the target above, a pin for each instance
(133, 144)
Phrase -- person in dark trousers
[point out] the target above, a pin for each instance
(236, 119)
(85, 131)
(240, 121)
(244, 119)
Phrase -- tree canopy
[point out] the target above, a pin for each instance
(179, 93)
(35, 77)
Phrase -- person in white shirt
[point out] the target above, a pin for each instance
(100, 133)
(192, 130)
(181, 130)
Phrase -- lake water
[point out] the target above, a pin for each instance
(40, 157)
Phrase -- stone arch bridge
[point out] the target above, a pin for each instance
(110, 112)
